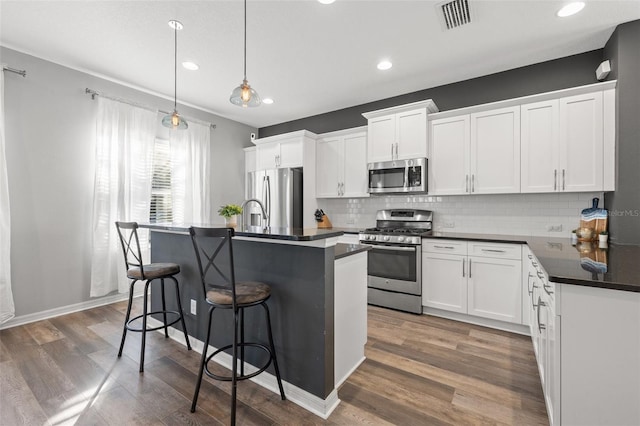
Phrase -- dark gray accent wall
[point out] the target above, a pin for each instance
(623, 50)
(571, 71)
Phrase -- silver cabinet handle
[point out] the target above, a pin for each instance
(444, 247)
(338, 188)
(555, 179)
(494, 250)
(342, 188)
(529, 287)
(392, 151)
(546, 288)
(530, 256)
(469, 268)
(563, 181)
(396, 150)
(466, 183)
(473, 183)
(540, 274)
(535, 265)
(540, 326)
(533, 288)
(463, 273)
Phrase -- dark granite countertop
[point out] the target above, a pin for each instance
(345, 250)
(291, 234)
(616, 267)
(348, 230)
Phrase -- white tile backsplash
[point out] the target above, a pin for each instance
(518, 214)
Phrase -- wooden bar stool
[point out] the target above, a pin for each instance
(136, 271)
(221, 290)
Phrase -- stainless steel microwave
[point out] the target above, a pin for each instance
(398, 176)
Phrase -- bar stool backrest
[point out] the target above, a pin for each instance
(128, 233)
(214, 253)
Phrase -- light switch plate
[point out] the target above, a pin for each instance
(193, 307)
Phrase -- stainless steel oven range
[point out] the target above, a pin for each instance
(394, 266)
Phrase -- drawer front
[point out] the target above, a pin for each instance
(433, 245)
(499, 251)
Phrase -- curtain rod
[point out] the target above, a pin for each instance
(95, 93)
(15, 70)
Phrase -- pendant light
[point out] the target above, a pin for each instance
(173, 120)
(244, 95)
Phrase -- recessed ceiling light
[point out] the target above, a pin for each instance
(571, 9)
(326, 1)
(191, 66)
(267, 101)
(384, 65)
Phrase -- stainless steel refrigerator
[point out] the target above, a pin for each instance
(280, 191)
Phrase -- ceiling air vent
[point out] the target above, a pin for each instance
(456, 13)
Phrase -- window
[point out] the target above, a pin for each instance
(161, 202)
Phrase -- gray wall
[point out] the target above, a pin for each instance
(623, 50)
(576, 70)
(50, 144)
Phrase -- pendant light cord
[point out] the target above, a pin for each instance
(175, 67)
(245, 40)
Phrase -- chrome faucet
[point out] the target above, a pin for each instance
(265, 216)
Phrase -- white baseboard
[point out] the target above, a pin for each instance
(350, 372)
(485, 322)
(63, 310)
(314, 404)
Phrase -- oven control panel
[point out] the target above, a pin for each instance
(391, 239)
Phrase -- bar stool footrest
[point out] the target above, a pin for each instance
(239, 377)
(130, 327)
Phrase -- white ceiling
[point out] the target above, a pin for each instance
(310, 58)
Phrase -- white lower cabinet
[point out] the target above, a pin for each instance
(447, 286)
(480, 279)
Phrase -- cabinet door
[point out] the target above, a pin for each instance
(539, 129)
(381, 138)
(495, 151)
(581, 142)
(290, 153)
(411, 134)
(444, 282)
(328, 152)
(495, 288)
(354, 160)
(449, 156)
(267, 156)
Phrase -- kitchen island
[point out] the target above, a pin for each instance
(312, 296)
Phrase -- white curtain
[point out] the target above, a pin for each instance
(125, 136)
(7, 308)
(190, 175)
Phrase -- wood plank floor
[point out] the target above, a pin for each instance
(420, 370)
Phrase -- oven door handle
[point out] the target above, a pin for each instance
(394, 248)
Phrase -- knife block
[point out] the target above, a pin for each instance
(325, 222)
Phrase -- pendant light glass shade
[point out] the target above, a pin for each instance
(244, 95)
(173, 120)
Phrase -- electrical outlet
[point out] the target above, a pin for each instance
(554, 228)
(449, 225)
(193, 307)
(351, 221)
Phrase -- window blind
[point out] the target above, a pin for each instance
(161, 202)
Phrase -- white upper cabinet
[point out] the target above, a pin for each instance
(341, 168)
(475, 153)
(280, 154)
(563, 145)
(539, 146)
(398, 133)
(449, 156)
(562, 141)
(495, 151)
(581, 136)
